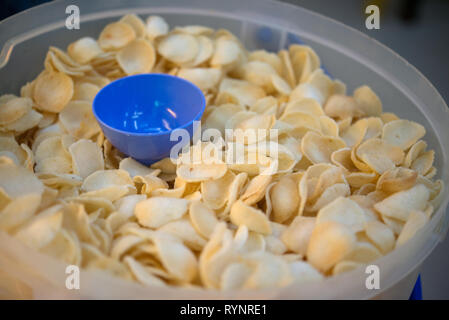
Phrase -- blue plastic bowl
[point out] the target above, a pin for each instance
(138, 113)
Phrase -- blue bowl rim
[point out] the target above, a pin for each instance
(129, 133)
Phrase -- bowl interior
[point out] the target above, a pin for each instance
(148, 104)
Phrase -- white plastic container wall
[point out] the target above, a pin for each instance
(347, 54)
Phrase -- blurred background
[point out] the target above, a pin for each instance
(418, 31)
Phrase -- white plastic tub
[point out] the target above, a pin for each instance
(347, 54)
